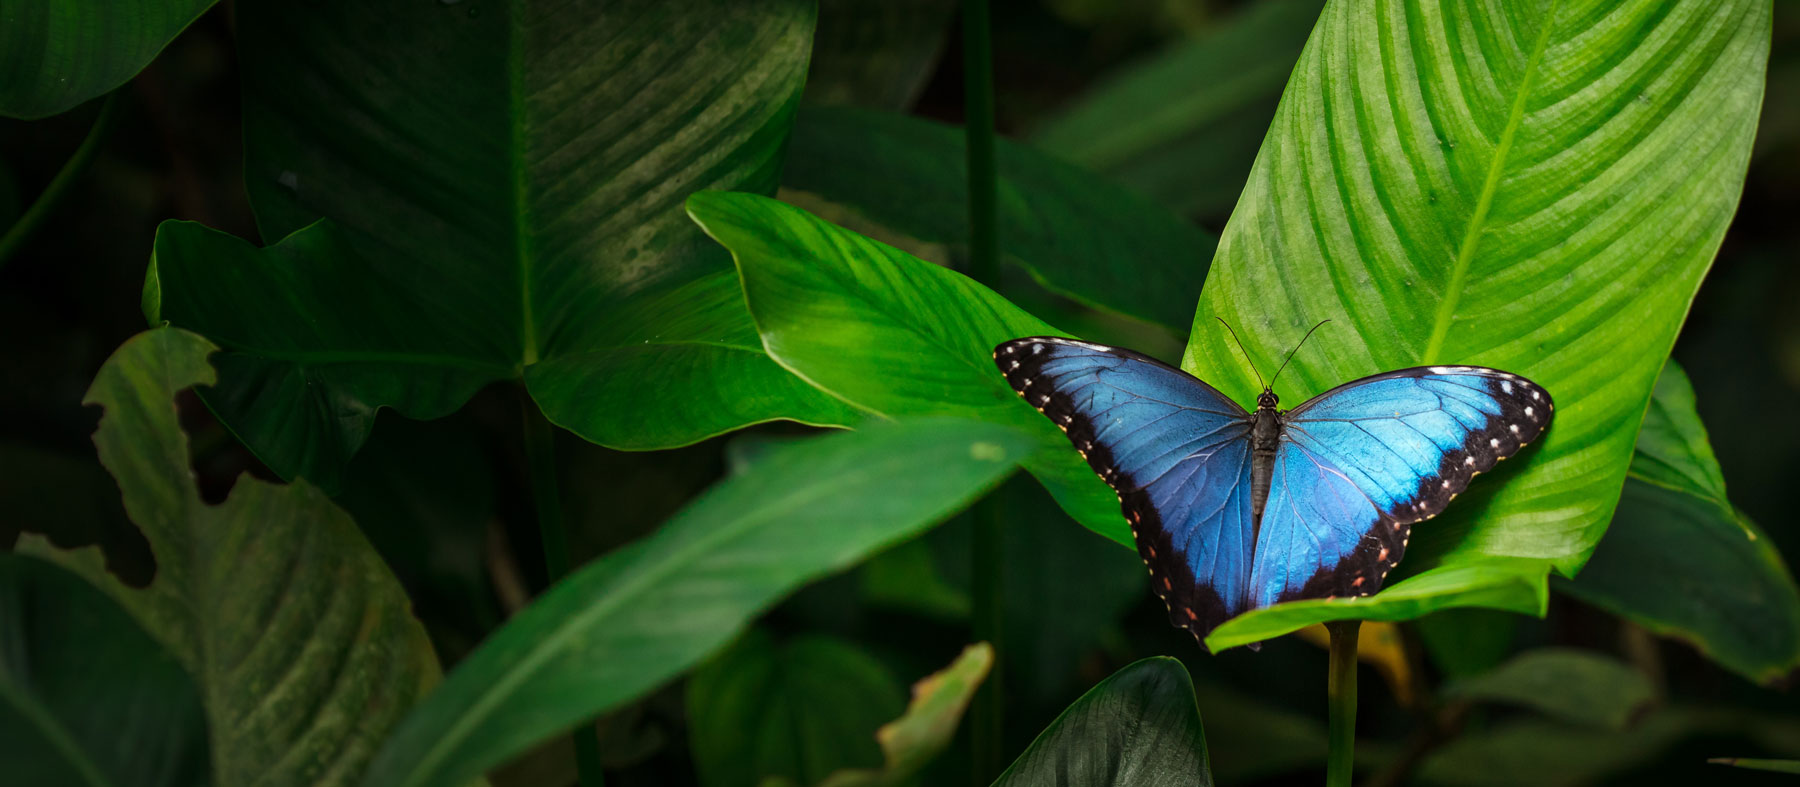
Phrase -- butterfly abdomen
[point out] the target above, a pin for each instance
(1265, 439)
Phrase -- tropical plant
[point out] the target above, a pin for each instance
(685, 314)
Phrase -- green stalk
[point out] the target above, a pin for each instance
(46, 203)
(986, 718)
(540, 455)
(1342, 688)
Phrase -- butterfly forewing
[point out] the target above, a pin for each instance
(1174, 450)
(1409, 441)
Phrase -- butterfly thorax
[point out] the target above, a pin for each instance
(1265, 439)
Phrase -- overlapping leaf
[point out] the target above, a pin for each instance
(1183, 124)
(891, 333)
(1139, 727)
(301, 642)
(1538, 189)
(1681, 561)
(504, 185)
(635, 618)
(797, 710)
(56, 54)
(86, 696)
(1077, 233)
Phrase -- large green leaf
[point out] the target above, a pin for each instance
(1139, 727)
(301, 643)
(1681, 561)
(631, 620)
(1182, 125)
(86, 697)
(876, 53)
(1538, 190)
(1076, 233)
(891, 333)
(1542, 752)
(799, 710)
(504, 187)
(1578, 686)
(55, 54)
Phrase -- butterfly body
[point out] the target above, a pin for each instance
(1235, 510)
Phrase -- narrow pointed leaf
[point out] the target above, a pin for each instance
(637, 617)
(301, 642)
(1139, 727)
(1077, 234)
(891, 333)
(1539, 190)
(56, 54)
(86, 696)
(1750, 763)
(511, 177)
(912, 741)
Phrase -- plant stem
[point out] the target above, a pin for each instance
(987, 720)
(1341, 759)
(46, 203)
(540, 455)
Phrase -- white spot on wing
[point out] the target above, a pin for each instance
(1494, 443)
(1506, 386)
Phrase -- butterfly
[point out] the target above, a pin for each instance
(1235, 510)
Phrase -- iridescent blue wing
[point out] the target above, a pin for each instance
(1360, 464)
(1175, 450)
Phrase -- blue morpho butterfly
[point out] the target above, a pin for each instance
(1236, 510)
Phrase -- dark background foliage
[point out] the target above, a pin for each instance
(457, 527)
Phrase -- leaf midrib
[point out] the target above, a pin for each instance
(1440, 328)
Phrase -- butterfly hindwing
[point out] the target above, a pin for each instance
(1175, 450)
(1406, 442)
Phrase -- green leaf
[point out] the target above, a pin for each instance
(1197, 110)
(1541, 752)
(1539, 191)
(56, 54)
(800, 710)
(1514, 584)
(86, 697)
(1139, 727)
(690, 367)
(1076, 233)
(1672, 447)
(892, 334)
(1572, 685)
(1261, 740)
(308, 361)
(503, 184)
(299, 639)
(1773, 766)
(1467, 641)
(637, 617)
(1682, 562)
(912, 741)
(876, 54)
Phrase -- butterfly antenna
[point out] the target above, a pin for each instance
(1296, 349)
(1242, 350)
